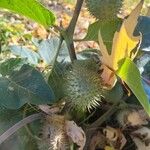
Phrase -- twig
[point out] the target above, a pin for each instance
(79, 40)
(98, 122)
(87, 118)
(49, 110)
(57, 28)
(68, 35)
(71, 27)
(54, 32)
(104, 117)
(19, 125)
(58, 49)
(109, 113)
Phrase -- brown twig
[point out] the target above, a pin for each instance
(95, 125)
(104, 117)
(98, 122)
(71, 28)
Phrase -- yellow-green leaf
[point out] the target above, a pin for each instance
(130, 74)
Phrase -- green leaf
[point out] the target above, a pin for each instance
(130, 74)
(31, 9)
(107, 31)
(48, 49)
(7, 67)
(115, 94)
(25, 86)
(23, 52)
(8, 118)
(56, 80)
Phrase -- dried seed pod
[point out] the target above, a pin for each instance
(141, 137)
(98, 140)
(54, 135)
(76, 134)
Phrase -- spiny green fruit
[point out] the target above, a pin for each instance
(104, 9)
(82, 86)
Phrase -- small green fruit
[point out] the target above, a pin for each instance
(104, 9)
(82, 86)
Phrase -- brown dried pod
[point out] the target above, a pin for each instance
(54, 135)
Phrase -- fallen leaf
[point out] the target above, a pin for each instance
(109, 148)
(135, 119)
(144, 115)
(76, 134)
(98, 140)
(131, 117)
(115, 137)
(141, 137)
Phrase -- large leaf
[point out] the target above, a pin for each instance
(107, 30)
(130, 74)
(115, 94)
(31, 9)
(56, 79)
(24, 52)
(8, 66)
(25, 86)
(48, 50)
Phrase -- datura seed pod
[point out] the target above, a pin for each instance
(82, 86)
(104, 9)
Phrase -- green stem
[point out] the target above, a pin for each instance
(69, 32)
(58, 50)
